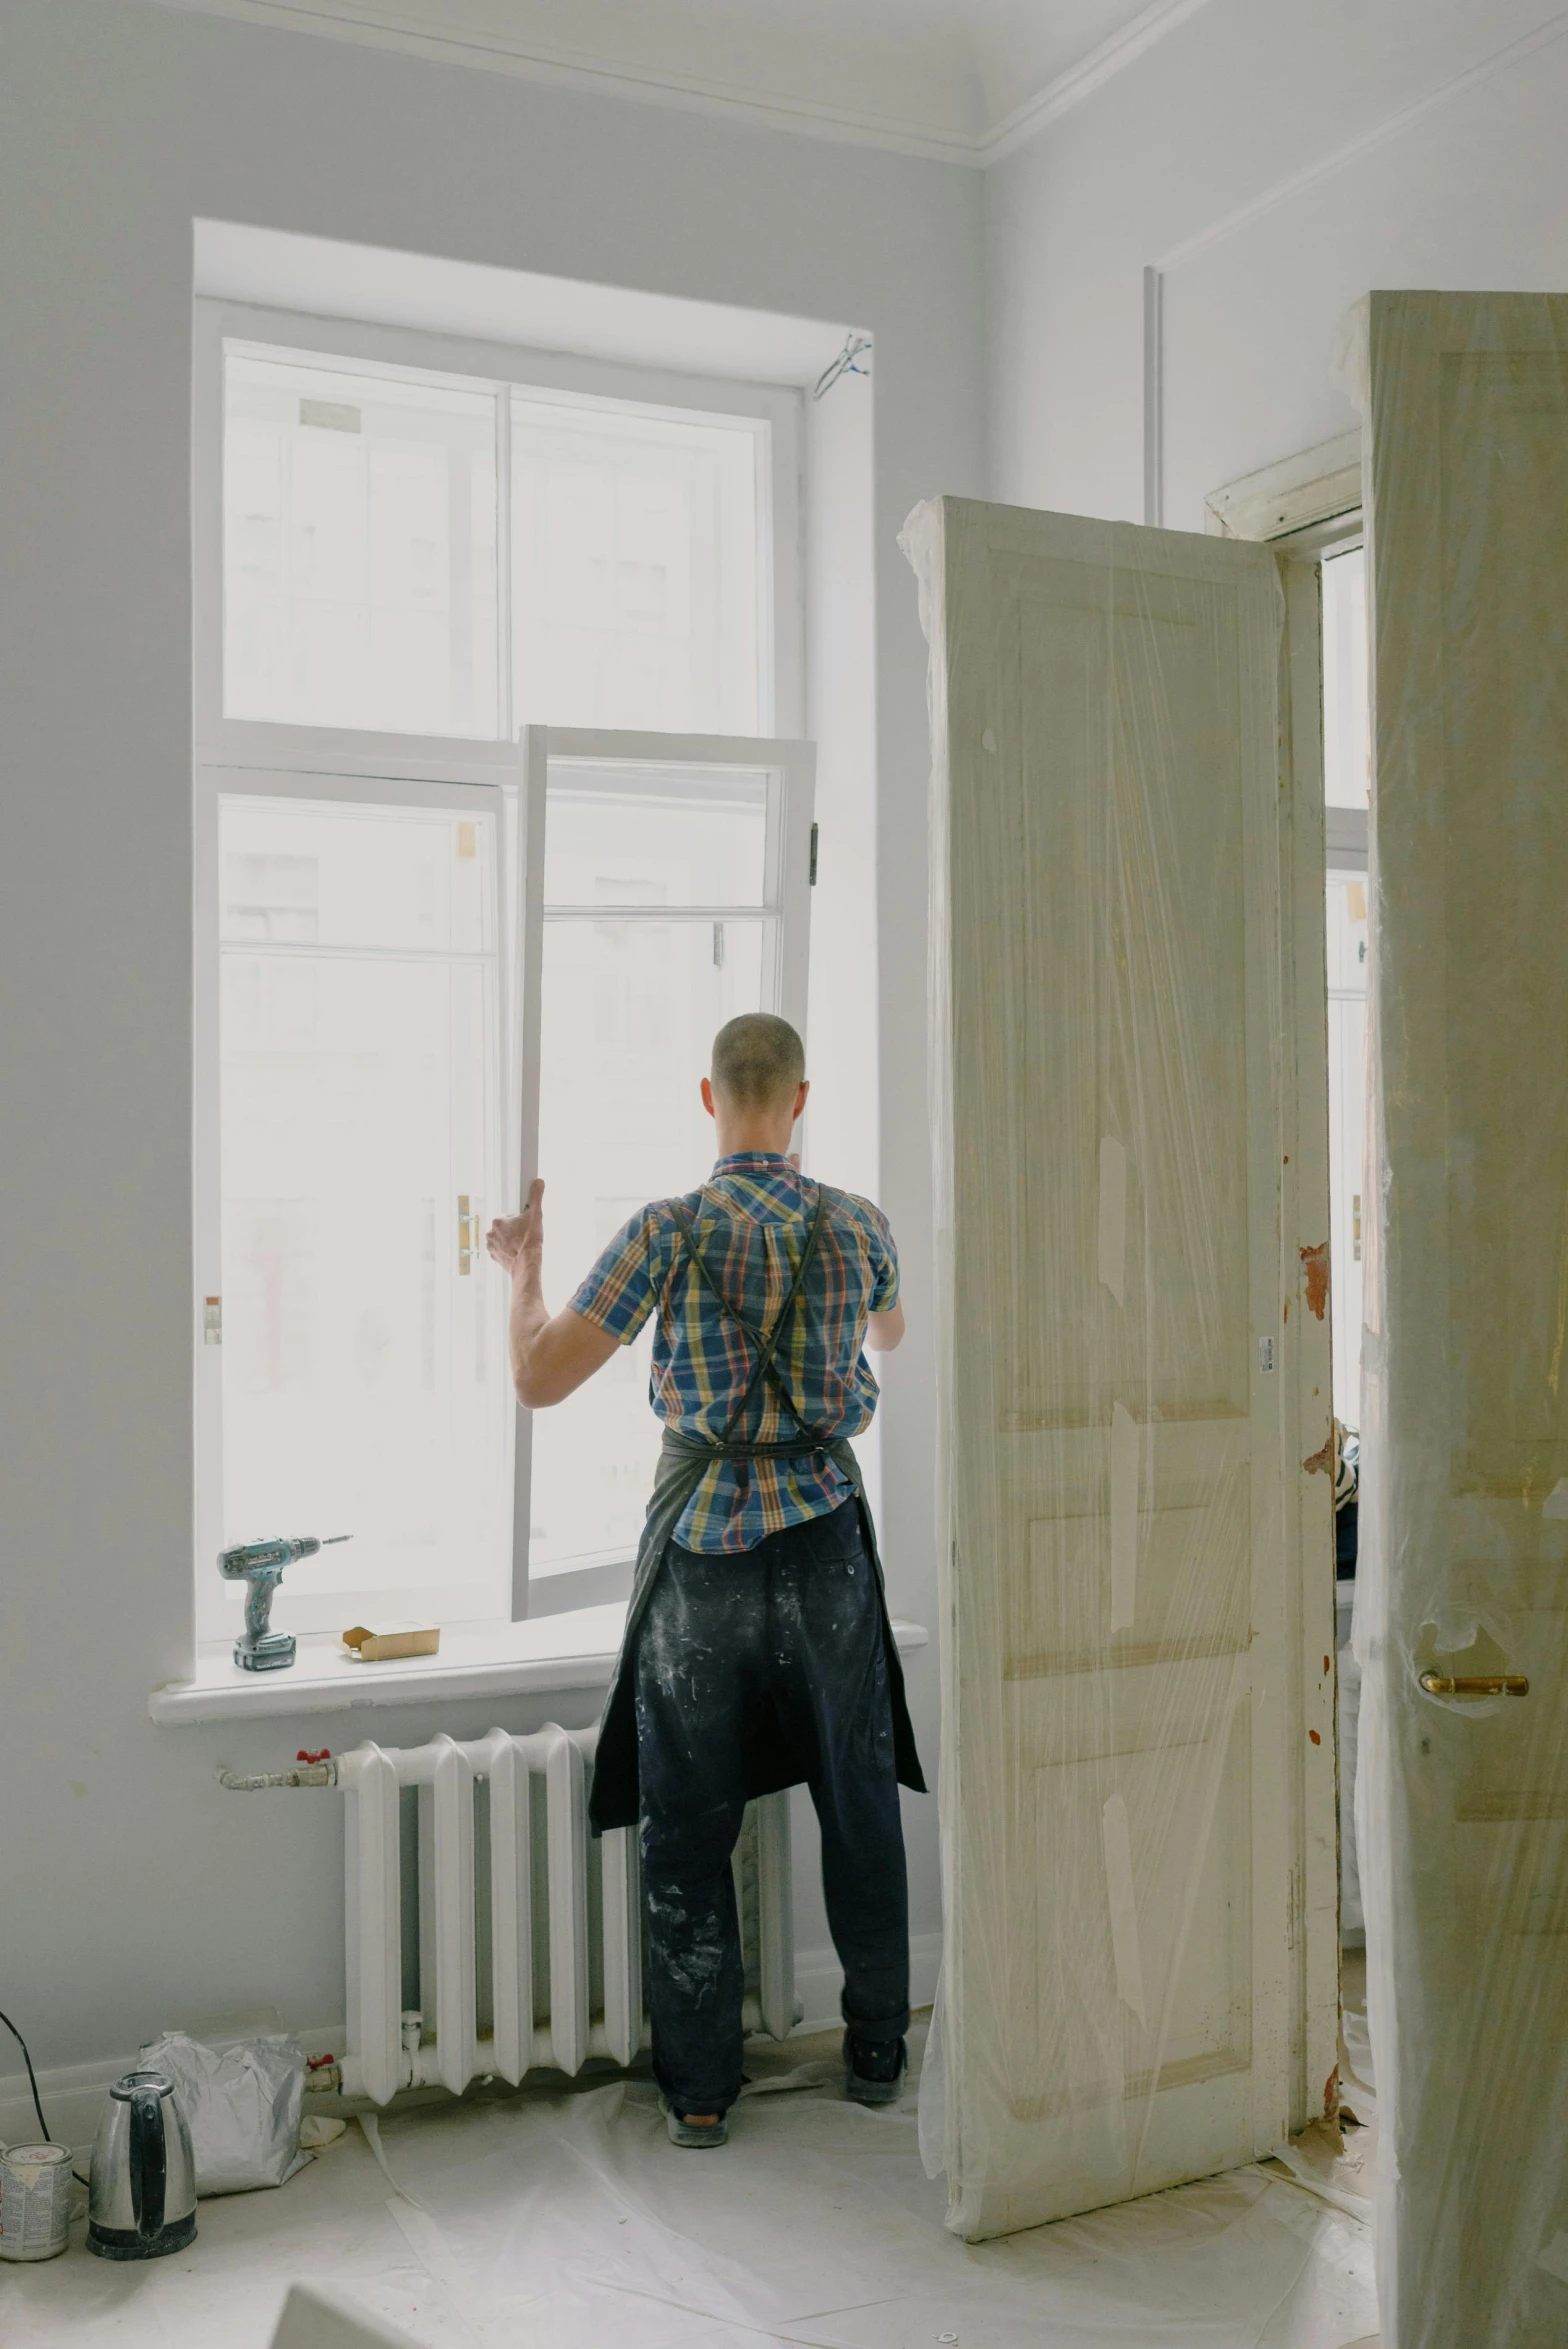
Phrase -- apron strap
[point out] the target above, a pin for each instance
(766, 1344)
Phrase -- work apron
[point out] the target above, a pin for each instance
(684, 1460)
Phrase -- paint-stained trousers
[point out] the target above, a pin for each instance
(737, 1654)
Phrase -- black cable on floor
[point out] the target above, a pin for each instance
(31, 2081)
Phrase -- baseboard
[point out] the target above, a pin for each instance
(819, 1980)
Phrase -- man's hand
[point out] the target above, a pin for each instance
(514, 1236)
(550, 1359)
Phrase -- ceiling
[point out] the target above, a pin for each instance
(961, 79)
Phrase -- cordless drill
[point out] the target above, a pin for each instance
(259, 1648)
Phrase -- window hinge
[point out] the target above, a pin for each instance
(813, 856)
(467, 1234)
(212, 1321)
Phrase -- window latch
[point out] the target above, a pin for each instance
(467, 1234)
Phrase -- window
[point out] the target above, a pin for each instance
(434, 954)
(359, 549)
(635, 586)
(666, 909)
(359, 1004)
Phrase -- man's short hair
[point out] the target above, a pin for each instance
(757, 1059)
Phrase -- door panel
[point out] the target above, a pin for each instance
(1128, 1776)
(1464, 1800)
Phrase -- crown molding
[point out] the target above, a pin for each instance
(1470, 77)
(562, 69)
(567, 69)
(1080, 81)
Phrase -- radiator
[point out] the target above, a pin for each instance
(526, 1958)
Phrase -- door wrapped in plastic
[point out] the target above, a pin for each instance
(1133, 1511)
(1462, 1605)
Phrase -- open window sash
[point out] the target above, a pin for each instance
(664, 886)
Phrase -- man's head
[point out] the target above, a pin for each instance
(757, 1088)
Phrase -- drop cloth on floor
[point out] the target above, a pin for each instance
(567, 2220)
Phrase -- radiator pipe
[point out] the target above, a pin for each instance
(256, 1782)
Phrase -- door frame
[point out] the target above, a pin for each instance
(1306, 506)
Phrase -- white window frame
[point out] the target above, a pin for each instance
(506, 774)
(1307, 508)
(499, 368)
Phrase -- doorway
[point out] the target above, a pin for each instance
(1309, 510)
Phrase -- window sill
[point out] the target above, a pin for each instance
(544, 1656)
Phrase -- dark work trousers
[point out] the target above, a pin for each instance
(785, 1640)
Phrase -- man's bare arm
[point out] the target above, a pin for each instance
(552, 1354)
(884, 1331)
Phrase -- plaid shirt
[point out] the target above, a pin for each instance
(751, 1219)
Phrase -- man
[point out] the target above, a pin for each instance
(758, 1651)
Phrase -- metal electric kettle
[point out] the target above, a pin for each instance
(141, 2200)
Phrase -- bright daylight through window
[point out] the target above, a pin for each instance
(360, 1145)
(366, 933)
(655, 935)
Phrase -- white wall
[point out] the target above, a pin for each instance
(132, 1890)
(1278, 161)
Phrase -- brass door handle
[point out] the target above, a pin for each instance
(1483, 1684)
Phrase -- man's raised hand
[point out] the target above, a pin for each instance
(514, 1237)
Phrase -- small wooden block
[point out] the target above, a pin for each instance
(381, 1647)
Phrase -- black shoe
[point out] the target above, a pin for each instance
(874, 2069)
(695, 2135)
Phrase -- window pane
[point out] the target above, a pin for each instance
(364, 1386)
(634, 566)
(359, 550)
(308, 873)
(623, 835)
(629, 1013)
(1347, 730)
(1347, 1015)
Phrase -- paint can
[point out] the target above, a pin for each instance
(35, 2201)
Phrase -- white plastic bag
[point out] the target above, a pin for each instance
(242, 2103)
